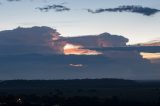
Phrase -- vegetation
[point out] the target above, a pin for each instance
(86, 92)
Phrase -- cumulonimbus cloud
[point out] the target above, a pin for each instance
(133, 9)
(57, 8)
(40, 50)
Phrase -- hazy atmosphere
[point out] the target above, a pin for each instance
(77, 39)
(79, 52)
(74, 18)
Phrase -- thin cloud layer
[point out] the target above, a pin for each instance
(150, 49)
(147, 11)
(57, 8)
(133, 9)
(13, 0)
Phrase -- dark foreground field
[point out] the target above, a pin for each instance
(87, 92)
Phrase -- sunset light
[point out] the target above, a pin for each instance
(150, 56)
(78, 50)
(80, 53)
(76, 65)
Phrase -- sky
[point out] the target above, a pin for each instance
(77, 21)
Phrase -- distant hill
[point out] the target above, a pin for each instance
(75, 83)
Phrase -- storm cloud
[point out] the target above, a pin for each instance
(57, 8)
(27, 40)
(48, 39)
(133, 9)
(150, 49)
(37, 53)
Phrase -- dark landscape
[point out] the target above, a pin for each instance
(85, 92)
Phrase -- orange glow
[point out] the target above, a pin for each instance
(70, 46)
(76, 65)
(150, 56)
(78, 50)
(55, 36)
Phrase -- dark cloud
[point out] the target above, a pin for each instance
(150, 43)
(41, 39)
(101, 40)
(57, 8)
(27, 40)
(37, 53)
(91, 41)
(34, 66)
(149, 49)
(134, 9)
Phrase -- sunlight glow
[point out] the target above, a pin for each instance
(76, 65)
(78, 50)
(150, 56)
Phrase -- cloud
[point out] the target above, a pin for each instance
(88, 41)
(149, 49)
(57, 8)
(10, 1)
(27, 40)
(37, 53)
(133, 9)
(47, 40)
(13, 0)
(33, 66)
